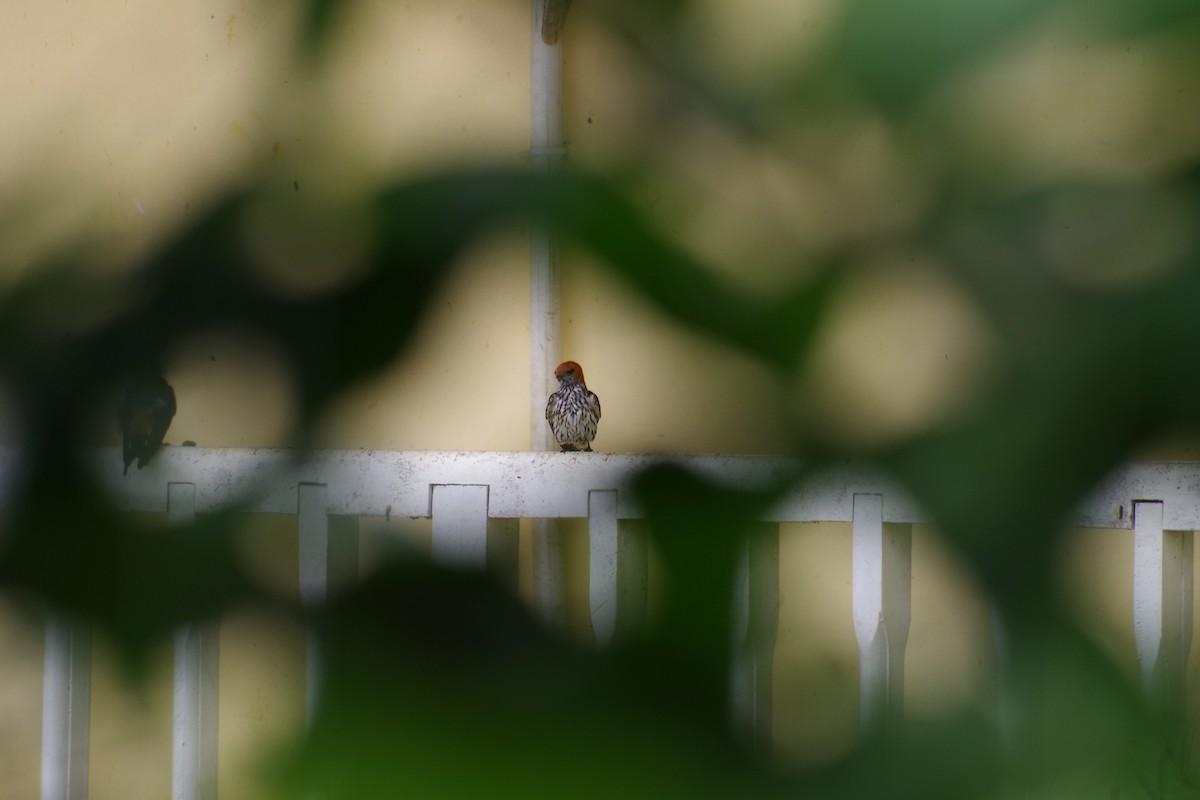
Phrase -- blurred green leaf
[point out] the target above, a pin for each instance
(897, 52)
(435, 216)
(439, 684)
(139, 583)
(1086, 376)
(1133, 17)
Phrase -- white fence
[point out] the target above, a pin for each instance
(474, 499)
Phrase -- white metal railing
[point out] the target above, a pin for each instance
(474, 499)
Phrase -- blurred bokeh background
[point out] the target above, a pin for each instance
(958, 240)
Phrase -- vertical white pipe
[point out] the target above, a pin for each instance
(546, 138)
(66, 709)
(546, 152)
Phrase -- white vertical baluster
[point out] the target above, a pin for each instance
(1162, 604)
(882, 609)
(504, 551)
(1187, 590)
(1006, 716)
(755, 628)
(343, 551)
(328, 560)
(460, 526)
(66, 709)
(549, 589)
(603, 567)
(197, 658)
(617, 589)
(1016, 717)
(312, 520)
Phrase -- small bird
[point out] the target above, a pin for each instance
(145, 414)
(572, 411)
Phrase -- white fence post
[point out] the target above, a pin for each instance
(66, 709)
(194, 745)
(464, 536)
(882, 609)
(755, 628)
(343, 551)
(460, 526)
(1162, 604)
(328, 546)
(504, 551)
(617, 584)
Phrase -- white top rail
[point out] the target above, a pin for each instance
(551, 485)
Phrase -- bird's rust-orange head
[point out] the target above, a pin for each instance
(570, 371)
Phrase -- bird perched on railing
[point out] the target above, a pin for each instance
(145, 414)
(572, 411)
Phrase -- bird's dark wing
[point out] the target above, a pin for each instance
(162, 414)
(145, 414)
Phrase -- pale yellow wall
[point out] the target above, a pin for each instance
(949, 662)
(20, 700)
(130, 728)
(126, 118)
(816, 663)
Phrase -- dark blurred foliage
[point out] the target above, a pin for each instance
(440, 684)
